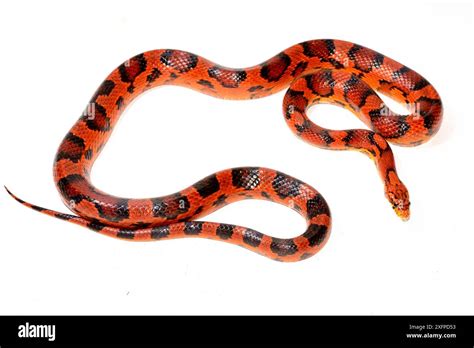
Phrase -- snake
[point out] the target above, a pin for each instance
(313, 72)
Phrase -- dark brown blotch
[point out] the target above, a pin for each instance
(273, 69)
(229, 78)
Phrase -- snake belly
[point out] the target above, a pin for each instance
(316, 71)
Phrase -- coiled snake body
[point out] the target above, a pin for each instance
(317, 71)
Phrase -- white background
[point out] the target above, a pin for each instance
(56, 53)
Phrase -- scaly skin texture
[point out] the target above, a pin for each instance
(317, 71)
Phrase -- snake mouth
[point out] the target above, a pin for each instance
(403, 212)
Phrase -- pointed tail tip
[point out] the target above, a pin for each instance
(9, 192)
(14, 197)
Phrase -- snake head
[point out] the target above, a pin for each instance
(397, 195)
